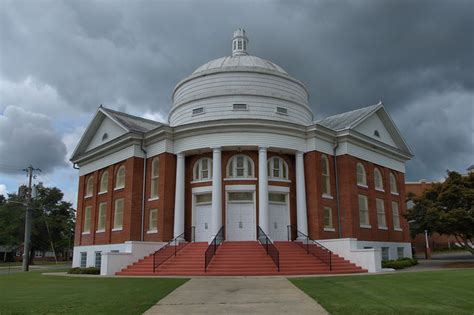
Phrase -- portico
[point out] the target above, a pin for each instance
(236, 193)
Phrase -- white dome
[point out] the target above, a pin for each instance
(240, 87)
(240, 62)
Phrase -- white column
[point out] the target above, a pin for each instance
(179, 196)
(301, 213)
(263, 189)
(216, 210)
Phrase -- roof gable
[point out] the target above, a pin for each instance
(112, 123)
(365, 121)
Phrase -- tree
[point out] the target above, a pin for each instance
(53, 221)
(446, 208)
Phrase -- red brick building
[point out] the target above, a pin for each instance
(241, 150)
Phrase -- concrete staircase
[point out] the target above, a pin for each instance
(240, 259)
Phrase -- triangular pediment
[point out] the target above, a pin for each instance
(102, 129)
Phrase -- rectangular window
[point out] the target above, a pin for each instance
(327, 217)
(98, 259)
(400, 252)
(282, 111)
(83, 259)
(101, 218)
(87, 220)
(204, 198)
(118, 214)
(382, 222)
(153, 223)
(396, 216)
(363, 211)
(275, 197)
(239, 107)
(240, 196)
(385, 255)
(199, 110)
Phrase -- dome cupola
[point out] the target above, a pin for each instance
(240, 86)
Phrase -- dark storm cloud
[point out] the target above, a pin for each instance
(28, 138)
(417, 57)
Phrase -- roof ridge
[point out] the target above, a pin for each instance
(113, 111)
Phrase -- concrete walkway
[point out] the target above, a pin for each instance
(237, 295)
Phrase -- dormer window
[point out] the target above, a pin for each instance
(105, 136)
(377, 134)
(198, 111)
(239, 107)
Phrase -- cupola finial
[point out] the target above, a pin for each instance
(239, 43)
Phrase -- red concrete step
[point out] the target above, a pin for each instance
(242, 258)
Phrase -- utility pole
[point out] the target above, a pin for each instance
(28, 219)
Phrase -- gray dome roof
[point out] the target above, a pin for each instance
(240, 62)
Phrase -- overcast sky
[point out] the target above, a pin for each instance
(60, 59)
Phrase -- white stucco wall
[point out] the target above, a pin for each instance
(128, 253)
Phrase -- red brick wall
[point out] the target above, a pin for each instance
(348, 193)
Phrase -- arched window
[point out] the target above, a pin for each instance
(104, 182)
(326, 175)
(203, 169)
(378, 179)
(120, 178)
(240, 166)
(277, 168)
(393, 184)
(361, 178)
(154, 178)
(90, 186)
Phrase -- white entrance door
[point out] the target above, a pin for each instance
(240, 217)
(278, 216)
(202, 217)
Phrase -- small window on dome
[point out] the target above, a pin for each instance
(377, 134)
(239, 45)
(239, 107)
(105, 136)
(198, 111)
(282, 111)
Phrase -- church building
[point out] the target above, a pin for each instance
(240, 160)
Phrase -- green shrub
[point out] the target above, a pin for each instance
(399, 263)
(84, 271)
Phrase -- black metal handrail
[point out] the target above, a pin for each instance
(172, 247)
(212, 248)
(311, 246)
(269, 247)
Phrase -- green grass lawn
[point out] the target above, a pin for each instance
(34, 293)
(431, 292)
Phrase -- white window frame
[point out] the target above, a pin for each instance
(360, 171)
(381, 217)
(387, 251)
(118, 213)
(393, 184)
(378, 180)
(89, 187)
(326, 175)
(104, 182)
(248, 167)
(153, 227)
(281, 167)
(328, 227)
(120, 177)
(97, 254)
(86, 226)
(396, 216)
(83, 260)
(154, 177)
(199, 169)
(402, 249)
(101, 217)
(364, 213)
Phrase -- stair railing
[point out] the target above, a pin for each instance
(212, 248)
(164, 253)
(269, 247)
(311, 246)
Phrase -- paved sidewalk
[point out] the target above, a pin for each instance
(243, 295)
